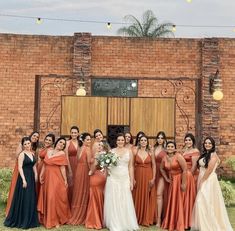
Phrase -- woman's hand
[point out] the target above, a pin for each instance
(36, 178)
(24, 184)
(151, 183)
(183, 187)
(41, 180)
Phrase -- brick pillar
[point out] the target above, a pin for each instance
(209, 106)
(82, 58)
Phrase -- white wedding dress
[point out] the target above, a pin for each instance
(209, 212)
(119, 211)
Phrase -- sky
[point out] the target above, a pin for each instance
(179, 12)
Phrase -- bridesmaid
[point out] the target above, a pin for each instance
(174, 166)
(137, 140)
(209, 212)
(161, 184)
(34, 138)
(53, 204)
(81, 183)
(144, 194)
(191, 155)
(49, 140)
(98, 136)
(23, 209)
(71, 150)
(128, 140)
(94, 216)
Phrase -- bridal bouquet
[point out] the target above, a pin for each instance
(106, 160)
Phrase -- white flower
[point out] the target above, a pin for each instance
(107, 161)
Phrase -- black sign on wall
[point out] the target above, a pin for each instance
(114, 87)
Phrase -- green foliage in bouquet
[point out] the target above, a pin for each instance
(5, 181)
(227, 191)
(107, 160)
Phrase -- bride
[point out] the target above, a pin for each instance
(119, 211)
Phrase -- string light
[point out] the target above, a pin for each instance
(39, 21)
(110, 23)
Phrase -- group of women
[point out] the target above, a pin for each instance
(175, 190)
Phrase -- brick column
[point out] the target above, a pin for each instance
(82, 58)
(209, 106)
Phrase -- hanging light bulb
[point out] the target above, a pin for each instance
(189, 1)
(174, 28)
(109, 25)
(233, 29)
(39, 21)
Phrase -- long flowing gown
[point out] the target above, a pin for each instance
(209, 212)
(190, 194)
(144, 197)
(174, 219)
(53, 204)
(81, 189)
(23, 209)
(119, 211)
(73, 160)
(94, 216)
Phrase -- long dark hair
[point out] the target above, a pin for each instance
(82, 137)
(206, 154)
(131, 140)
(60, 138)
(191, 136)
(162, 133)
(76, 128)
(140, 133)
(34, 145)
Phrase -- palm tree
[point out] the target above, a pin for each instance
(149, 27)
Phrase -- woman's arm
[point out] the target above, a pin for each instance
(67, 156)
(20, 168)
(152, 181)
(209, 170)
(35, 173)
(41, 179)
(183, 166)
(63, 172)
(131, 170)
(89, 156)
(194, 162)
(163, 172)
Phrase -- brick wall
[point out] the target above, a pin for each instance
(164, 67)
(23, 57)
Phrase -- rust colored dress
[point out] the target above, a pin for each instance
(190, 194)
(158, 160)
(12, 187)
(144, 197)
(73, 160)
(53, 204)
(174, 219)
(81, 189)
(94, 216)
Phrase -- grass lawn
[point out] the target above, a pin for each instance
(231, 212)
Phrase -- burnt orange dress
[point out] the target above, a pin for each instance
(94, 216)
(144, 197)
(53, 204)
(158, 160)
(190, 194)
(73, 160)
(81, 189)
(12, 187)
(174, 219)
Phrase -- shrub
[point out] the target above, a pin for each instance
(227, 191)
(231, 162)
(5, 181)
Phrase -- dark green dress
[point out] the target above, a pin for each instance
(23, 211)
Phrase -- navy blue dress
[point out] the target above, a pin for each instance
(23, 211)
